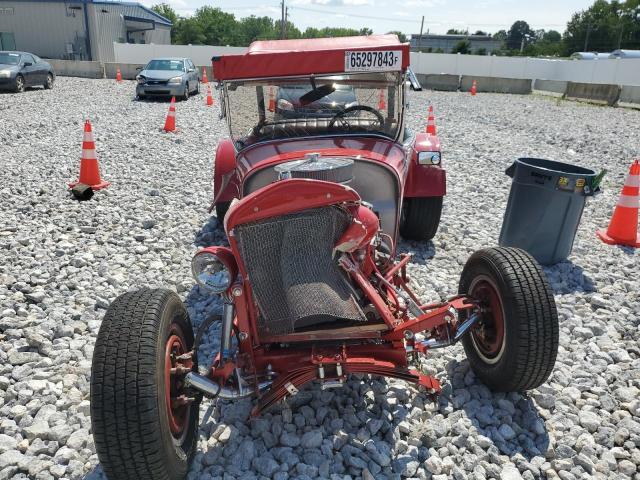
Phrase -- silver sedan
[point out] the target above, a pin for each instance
(171, 77)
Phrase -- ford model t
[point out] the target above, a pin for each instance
(319, 180)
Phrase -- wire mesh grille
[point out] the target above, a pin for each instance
(296, 282)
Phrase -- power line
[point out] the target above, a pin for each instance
(387, 19)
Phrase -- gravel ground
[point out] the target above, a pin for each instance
(63, 262)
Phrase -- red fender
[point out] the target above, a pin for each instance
(425, 180)
(225, 180)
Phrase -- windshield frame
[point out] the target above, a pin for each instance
(225, 108)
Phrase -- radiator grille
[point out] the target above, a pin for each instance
(296, 282)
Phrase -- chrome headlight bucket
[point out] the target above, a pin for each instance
(214, 269)
(429, 158)
(141, 79)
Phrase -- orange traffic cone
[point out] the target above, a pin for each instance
(474, 89)
(204, 75)
(382, 104)
(118, 75)
(623, 228)
(89, 169)
(170, 122)
(209, 96)
(272, 100)
(431, 122)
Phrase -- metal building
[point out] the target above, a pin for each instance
(446, 43)
(78, 29)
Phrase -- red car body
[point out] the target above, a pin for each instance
(235, 167)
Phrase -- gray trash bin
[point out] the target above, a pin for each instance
(545, 206)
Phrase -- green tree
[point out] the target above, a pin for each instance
(365, 31)
(500, 35)
(604, 27)
(256, 28)
(311, 32)
(170, 14)
(480, 51)
(552, 36)
(463, 47)
(517, 33)
(219, 28)
(453, 31)
(401, 36)
(480, 32)
(188, 31)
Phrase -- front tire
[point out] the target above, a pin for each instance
(513, 347)
(48, 84)
(185, 95)
(134, 412)
(420, 218)
(20, 85)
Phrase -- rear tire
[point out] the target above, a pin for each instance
(420, 218)
(20, 85)
(131, 420)
(48, 84)
(221, 210)
(514, 345)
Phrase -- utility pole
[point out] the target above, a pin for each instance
(620, 36)
(420, 37)
(286, 22)
(282, 20)
(586, 39)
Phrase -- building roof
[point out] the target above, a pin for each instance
(312, 56)
(157, 17)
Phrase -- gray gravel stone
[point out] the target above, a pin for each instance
(64, 262)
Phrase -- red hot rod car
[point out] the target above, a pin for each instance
(314, 191)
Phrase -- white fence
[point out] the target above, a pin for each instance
(613, 71)
(142, 53)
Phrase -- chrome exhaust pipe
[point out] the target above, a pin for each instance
(212, 389)
(227, 393)
(228, 312)
(464, 327)
(202, 384)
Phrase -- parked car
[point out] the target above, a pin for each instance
(168, 77)
(310, 284)
(19, 70)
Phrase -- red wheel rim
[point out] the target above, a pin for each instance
(488, 334)
(177, 411)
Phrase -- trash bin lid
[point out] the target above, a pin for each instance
(556, 167)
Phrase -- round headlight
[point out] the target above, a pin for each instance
(429, 158)
(210, 272)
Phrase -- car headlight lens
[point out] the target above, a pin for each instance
(141, 80)
(5, 73)
(210, 272)
(429, 158)
(175, 80)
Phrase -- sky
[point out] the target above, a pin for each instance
(403, 15)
